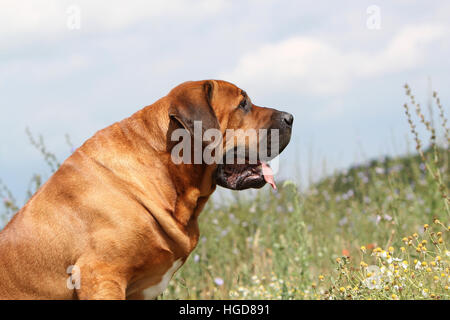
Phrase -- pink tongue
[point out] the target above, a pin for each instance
(268, 175)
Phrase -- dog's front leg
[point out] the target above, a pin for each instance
(101, 282)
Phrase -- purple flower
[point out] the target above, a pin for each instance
(218, 281)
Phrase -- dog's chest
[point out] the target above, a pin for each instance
(155, 290)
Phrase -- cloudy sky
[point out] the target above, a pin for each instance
(74, 67)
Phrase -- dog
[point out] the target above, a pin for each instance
(119, 216)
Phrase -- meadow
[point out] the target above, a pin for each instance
(379, 230)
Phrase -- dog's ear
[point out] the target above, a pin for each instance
(193, 103)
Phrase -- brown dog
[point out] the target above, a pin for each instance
(119, 214)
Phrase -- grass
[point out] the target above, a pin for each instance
(379, 230)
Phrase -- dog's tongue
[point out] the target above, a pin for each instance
(268, 175)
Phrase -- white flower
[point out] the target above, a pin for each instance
(418, 265)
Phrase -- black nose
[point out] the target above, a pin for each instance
(288, 118)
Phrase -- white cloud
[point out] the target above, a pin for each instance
(21, 21)
(314, 66)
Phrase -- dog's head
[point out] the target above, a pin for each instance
(250, 135)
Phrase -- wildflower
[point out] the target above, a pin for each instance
(394, 296)
(402, 249)
(391, 249)
(418, 265)
(321, 277)
(425, 226)
(342, 289)
(218, 281)
(363, 249)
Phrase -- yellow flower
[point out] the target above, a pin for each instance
(391, 249)
(440, 240)
(321, 277)
(342, 289)
(415, 235)
(363, 249)
(426, 226)
(402, 249)
(394, 296)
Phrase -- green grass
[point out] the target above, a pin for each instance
(323, 242)
(276, 244)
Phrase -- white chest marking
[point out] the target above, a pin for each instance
(155, 290)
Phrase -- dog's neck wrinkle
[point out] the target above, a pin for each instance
(200, 187)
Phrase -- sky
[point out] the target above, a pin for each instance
(74, 67)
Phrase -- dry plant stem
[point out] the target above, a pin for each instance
(436, 174)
